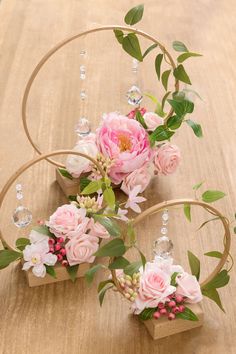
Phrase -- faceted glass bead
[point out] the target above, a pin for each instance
(83, 53)
(82, 72)
(18, 187)
(82, 128)
(83, 95)
(164, 230)
(163, 247)
(134, 96)
(22, 217)
(135, 66)
(165, 216)
(19, 195)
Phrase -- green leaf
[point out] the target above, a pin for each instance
(92, 187)
(174, 122)
(83, 182)
(185, 56)
(187, 315)
(161, 133)
(90, 273)
(173, 279)
(103, 292)
(194, 264)
(119, 263)
(158, 61)
(212, 196)
(114, 248)
(134, 15)
(164, 78)
(140, 119)
(143, 258)
(102, 284)
(131, 45)
(215, 254)
(179, 46)
(158, 109)
(43, 229)
(65, 173)
(187, 211)
(180, 74)
(206, 222)
(119, 35)
(133, 268)
(109, 197)
(22, 242)
(110, 224)
(51, 271)
(7, 257)
(213, 295)
(164, 99)
(197, 186)
(131, 234)
(149, 49)
(219, 281)
(181, 108)
(197, 129)
(72, 271)
(147, 314)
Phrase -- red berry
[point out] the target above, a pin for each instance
(181, 308)
(51, 249)
(156, 315)
(59, 257)
(163, 311)
(172, 303)
(64, 263)
(51, 241)
(57, 246)
(179, 298)
(161, 305)
(63, 252)
(171, 316)
(60, 240)
(175, 310)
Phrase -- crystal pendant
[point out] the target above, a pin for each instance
(83, 95)
(135, 63)
(22, 217)
(82, 72)
(134, 96)
(163, 247)
(83, 53)
(82, 128)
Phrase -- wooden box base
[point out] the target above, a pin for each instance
(163, 327)
(68, 186)
(61, 273)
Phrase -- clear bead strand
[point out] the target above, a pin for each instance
(21, 216)
(163, 246)
(82, 128)
(134, 94)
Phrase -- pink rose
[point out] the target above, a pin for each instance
(96, 229)
(154, 288)
(140, 177)
(152, 120)
(166, 159)
(77, 164)
(80, 249)
(189, 287)
(126, 142)
(66, 219)
(132, 113)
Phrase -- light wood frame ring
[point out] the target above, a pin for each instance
(29, 164)
(62, 44)
(171, 203)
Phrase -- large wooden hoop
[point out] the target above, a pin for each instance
(171, 203)
(29, 164)
(62, 44)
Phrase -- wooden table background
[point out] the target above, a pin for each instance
(66, 318)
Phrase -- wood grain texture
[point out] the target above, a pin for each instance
(64, 317)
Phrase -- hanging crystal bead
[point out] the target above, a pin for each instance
(82, 72)
(83, 95)
(134, 96)
(22, 216)
(163, 247)
(83, 128)
(83, 53)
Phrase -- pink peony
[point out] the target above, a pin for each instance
(140, 177)
(97, 230)
(126, 142)
(189, 287)
(80, 249)
(77, 164)
(154, 288)
(66, 219)
(166, 159)
(152, 120)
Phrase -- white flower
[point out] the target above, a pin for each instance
(37, 255)
(133, 199)
(121, 215)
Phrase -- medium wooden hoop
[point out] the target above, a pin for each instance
(62, 44)
(32, 162)
(171, 203)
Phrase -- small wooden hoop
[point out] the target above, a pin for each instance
(171, 203)
(62, 44)
(32, 162)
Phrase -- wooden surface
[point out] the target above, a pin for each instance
(64, 317)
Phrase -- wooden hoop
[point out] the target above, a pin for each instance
(32, 162)
(62, 44)
(167, 204)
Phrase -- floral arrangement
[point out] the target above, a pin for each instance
(134, 147)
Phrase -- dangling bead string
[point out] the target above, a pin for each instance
(163, 245)
(22, 216)
(134, 94)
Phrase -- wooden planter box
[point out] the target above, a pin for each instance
(61, 273)
(163, 327)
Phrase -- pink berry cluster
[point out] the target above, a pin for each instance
(170, 308)
(57, 247)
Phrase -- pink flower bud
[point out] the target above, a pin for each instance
(179, 298)
(51, 249)
(57, 246)
(171, 316)
(172, 303)
(181, 308)
(59, 257)
(175, 310)
(163, 311)
(161, 305)
(63, 252)
(64, 263)
(51, 241)
(156, 315)
(60, 240)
